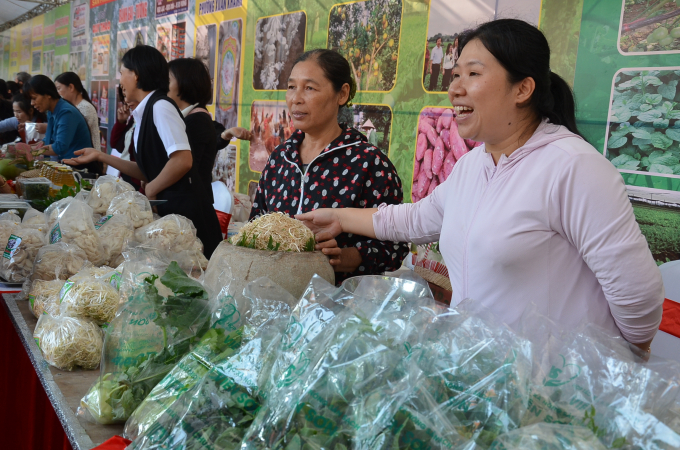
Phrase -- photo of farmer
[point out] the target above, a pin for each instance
(650, 26)
(374, 121)
(447, 20)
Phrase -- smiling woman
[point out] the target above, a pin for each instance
(536, 218)
(326, 164)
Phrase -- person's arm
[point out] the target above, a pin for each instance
(238, 133)
(596, 216)
(11, 124)
(260, 202)
(88, 155)
(178, 165)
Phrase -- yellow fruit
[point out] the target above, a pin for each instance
(344, 17)
(384, 17)
(355, 42)
(391, 43)
(394, 57)
(375, 73)
(384, 36)
(375, 65)
(340, 10)
(357, 53)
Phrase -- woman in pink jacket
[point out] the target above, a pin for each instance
(536, 214)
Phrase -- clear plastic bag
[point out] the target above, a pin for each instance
(89, 298)
(172, 233)
(546, 436)
(146, 339)
(104, 190)
(140, 263)
(8, 228)
(134, 205)
(69, 342)
(75, 226)
(35, 219)
(115, 231)
(55, 262)
(44, 297)
(52, 212)
(264, 305)
(10, 216)
(20, 253)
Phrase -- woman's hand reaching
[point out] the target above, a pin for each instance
(84, 156)
(238, 133)
(324, 223)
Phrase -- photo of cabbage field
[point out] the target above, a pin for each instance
(644, 122)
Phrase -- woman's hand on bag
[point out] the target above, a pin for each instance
(342, 259)
(324, 223)
(84, 156)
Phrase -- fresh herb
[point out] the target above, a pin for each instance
(64, 192)
(309, 246)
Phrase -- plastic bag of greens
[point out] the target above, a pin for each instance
(44, 297)
(104, 190)
(135, 361)
(20, 253)
(141, 262)
(75, 226)
(545, 436)
(69, 342)
(134, 205)
(266, 309)
(115, 231)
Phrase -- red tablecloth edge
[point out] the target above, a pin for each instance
(670, 322)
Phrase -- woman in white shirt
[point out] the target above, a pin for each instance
(71, 89)
(449, 61)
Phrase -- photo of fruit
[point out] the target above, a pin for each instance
(279, 40)
(649, 26)
(438, 148)
(271, 125)
(367, 35)
(643, 129)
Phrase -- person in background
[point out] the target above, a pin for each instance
(369, 130)
(23, 113)
(162, 151)
(4, 90)
(426, 66)
(22, 78)
(67, 131)
(536, 218)
(122, 135)
(449, 61)
(436, 57)
(70, 87)
(10, 134)
(326, 164)
(13, 88)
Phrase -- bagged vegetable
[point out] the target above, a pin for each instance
(134, 205)
(89, 298)
(546, 436)
(20, 253)
(69, 342)
(10, 216)
(44, 297)
(55, 262)
(172, 233)
(265, 305)
(141, 262)
(74, 226)
(104, 190)
(52, 212)
(34, 218)
(145, 340)
(115, 231)
(8, 228)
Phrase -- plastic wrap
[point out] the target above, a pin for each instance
(10, 216)
(146, 339)
(20, 253)
(140, 263)
(52, 212)
(69, 342)
(546, 436)
(75, 226)
(255, 320)
(8, 228)
(89, 298)
(104, 190)
(134, 205)
(34, 218)
(172, 233)
(44, 297)
(115, 231)
(58, 261)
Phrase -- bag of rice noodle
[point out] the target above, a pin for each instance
(134, 205)
(55, 262)
(44, 297)
(75, 226)
(89, 298)
(69, 342)
(172, 233)
(20, 253)
(52, 212)
(11, 216)
(34, 219)
(104, 190)
(115, 231)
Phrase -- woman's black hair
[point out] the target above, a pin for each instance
(4, 90)
(450, 46)
(150, 66)
(523, 51)
(193, 81)
(13, 88)
(68, 78)
(41, 85)
(24, 103)
(335, 67)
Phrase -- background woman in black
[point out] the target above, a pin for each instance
(163, 153)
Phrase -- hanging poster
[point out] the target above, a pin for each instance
(48, 44)
(80, 19)
(169, 7)
(270, 123)
(175, 30)
(135, 27)
(37, 43)
(100, 55)
(206, 39)
(62, 36)
(25, 47)
(5, 48)
(228, 73)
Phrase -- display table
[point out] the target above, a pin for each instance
(64, 390)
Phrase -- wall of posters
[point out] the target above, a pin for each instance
(80, 19)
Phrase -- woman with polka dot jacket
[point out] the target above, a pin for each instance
(325, 164)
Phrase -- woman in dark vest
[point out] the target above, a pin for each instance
(163, 158)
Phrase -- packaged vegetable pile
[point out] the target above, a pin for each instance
(52, 212)
(34, 219)
(115, 231)
(104, 190)
(89, 298)
(74, 225)
(8, 228)
(20, 252)
(171, 233)
(44, 297)
(69, 342)
(134, 205)
(55, 262)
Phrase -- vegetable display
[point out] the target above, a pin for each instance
(104, 190)
(275, 232)
(89, 298)
(438, 148)
(20, 252)
(44, 297)
(134, 205)
(69, 342)
(74, 225)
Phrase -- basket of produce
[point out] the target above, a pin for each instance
(275, 246)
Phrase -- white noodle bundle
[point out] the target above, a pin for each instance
(268, 231)
(67, 342)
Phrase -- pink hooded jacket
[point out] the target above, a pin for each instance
(551, 225)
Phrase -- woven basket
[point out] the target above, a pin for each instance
(434, 278)
(35, 173)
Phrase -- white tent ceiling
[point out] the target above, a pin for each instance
(11, 9)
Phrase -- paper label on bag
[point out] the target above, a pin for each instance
(12, 246)
(55, 234)
(64, 290)
(102, 221)
(115, 280)
(31, 300)
(37, 341)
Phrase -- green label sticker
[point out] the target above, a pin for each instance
(12, 246)
(31, 300)
(37, 341)
(115, 280)
(64, 290)
(55, 234)
(102, 221)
